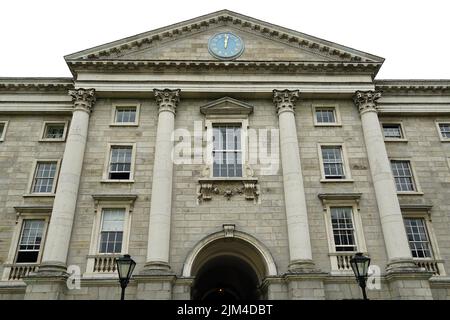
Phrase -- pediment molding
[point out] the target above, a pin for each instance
(225, 18)
(226, 105)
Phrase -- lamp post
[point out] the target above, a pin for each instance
(360, 265)
(125, 267)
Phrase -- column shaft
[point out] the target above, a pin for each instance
(397, 247)
(60, 228)
(294, 193)
(161, 200)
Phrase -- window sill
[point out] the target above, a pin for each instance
(39, 195)
(52, 140)
(395, 140)
(409, 193)
(124, 124)
(116, 181)
(445, 139)
(337, 180)
(327, 125)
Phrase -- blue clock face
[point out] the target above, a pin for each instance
(226, 46)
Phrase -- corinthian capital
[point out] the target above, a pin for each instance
(167, 99)
(284, 100)
(83, 99)
(366, 100)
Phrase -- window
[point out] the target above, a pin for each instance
(444, 130)
(30, 241)
(343, 231)
(402, 172)
(3, 127)
(227, 150)
(418, 237)
(54, 131)
(392, 131)
(326, 115)
(111, 235)
(125, 115)
(120, 163)
(44, 177)
(333, 166)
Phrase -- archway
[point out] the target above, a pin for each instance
(228, 268)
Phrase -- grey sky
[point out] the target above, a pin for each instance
(413, 36)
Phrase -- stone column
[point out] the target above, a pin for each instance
(60, 228)
(397, 246)
(294, 193)
(161, 201)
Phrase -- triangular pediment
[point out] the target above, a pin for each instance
(226, 105)
(188, 40)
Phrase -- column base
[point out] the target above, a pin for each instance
(155, 287)
(302, 266)
(45, 287)
(402, 265)
(410, 284)
(306, 286)
(52, 269)
(157, 268)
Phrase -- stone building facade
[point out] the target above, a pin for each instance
(334, 162)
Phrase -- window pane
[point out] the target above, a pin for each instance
(332, 162)
(44, 177)
(402, 173)
(126, 114)
(418, 237)
(120, 165)
(54, 131)
(112, 230)
(392, 131)
(30, 241)
(227, 155)
(325, 115)
(445, 129)
(113, 219)
(343, 231)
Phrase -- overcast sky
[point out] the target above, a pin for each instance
(413, 36)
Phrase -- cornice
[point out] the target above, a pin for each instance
(226, 17)
(226, 66)
(36, 84)
(439, 86)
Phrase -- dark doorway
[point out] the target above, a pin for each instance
(226, 278)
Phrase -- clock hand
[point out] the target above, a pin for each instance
(226, 41)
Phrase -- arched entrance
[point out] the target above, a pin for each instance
(228, 268)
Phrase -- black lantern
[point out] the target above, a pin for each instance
(125, 267)
(360, 265)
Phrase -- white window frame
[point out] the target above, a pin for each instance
(346, 166)
(96, 232)
(31, 179)
(125, 124)
(44, 127)
(426, 216)
(105, 177)
(3, 134)
(337, 115)
(357, 227)
(210, 121)
(441, 137)
(17, 233)
(418, 190)
(402, 131)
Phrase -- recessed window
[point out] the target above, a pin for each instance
(30, 241)
(125, 115)
(333, 164)
(343, 229)
(44, 177)
(3, 126)
(392, 131)
(417, 233)
(325, 115)
(227, 150)
(54, 131)
(120, 163)
(444, 129)
(111, 234)
(403, 176)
